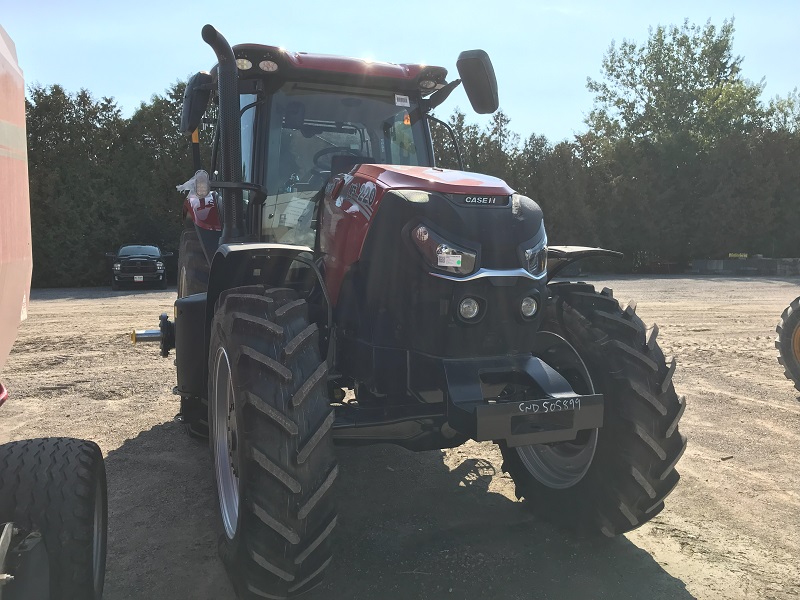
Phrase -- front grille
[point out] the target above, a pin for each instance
(138, 267)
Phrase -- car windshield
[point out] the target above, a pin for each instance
(139, 251)
(317, 131)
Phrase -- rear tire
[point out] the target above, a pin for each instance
(57, 486)
(632, 469)
(193, 267)
(271, 442)
(788, 342)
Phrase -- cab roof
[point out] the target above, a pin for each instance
(325, 68)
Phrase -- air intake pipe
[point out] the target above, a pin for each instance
(230, 136)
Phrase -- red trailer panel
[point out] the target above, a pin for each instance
(15, 221)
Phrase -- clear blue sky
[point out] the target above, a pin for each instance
(542, 51)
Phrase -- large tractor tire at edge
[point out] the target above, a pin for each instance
(271, 442)
(193, 267)
(57, 486)
(788, 342)
(628, 466)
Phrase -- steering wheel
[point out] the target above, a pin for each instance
(326, 166)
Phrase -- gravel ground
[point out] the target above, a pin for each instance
(441, 524)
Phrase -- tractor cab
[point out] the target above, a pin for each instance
(311, 132)
(303, 118)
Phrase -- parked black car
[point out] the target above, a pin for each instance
(138, 265)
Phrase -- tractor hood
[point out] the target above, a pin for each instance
(369, 215)
(403, 246)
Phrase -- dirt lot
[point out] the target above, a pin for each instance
(441, 524)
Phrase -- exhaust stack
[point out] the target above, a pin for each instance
(229, 135)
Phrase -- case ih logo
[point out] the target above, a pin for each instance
(484, 200)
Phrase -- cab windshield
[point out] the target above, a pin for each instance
(317, 131)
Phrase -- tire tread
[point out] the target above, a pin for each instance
(282, 546)
(633, 469)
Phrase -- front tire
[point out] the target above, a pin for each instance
(57, 486)
(629, 466)
(271, 442)
(788, 342)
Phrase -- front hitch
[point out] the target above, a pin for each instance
(165, 335)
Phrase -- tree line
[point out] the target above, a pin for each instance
(680, 159)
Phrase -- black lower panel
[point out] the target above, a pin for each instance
(518, 399)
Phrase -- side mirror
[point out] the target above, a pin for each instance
(195, 101)
(166, 254)
(111, 254)
(477, 74)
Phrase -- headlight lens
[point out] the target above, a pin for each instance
(468, 308)
(441, 254)
(533, 254)
(117, 266)
(536, 260)
(160, 266)
(528, 307)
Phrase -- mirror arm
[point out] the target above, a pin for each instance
(439, 96)
(453, 136)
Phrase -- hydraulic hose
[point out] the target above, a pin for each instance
(230, 137)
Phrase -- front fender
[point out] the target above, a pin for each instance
(236, 265)
(559, 257)
(233, 265)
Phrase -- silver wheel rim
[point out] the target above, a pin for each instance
(225, 443)
(560, 465)
(563, 464)
(98, 540)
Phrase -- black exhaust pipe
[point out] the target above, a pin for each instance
(230, 135)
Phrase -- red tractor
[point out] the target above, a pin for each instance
(327, 252)
(52, 490)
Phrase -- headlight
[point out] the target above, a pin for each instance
(528, 307)
(534, 258)
(536, 261)
(160, 266)
(117, 266)
(468, 308)
(441, 254)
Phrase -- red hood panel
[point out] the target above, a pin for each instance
(433, 179)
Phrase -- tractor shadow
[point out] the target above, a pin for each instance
(410, 527)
